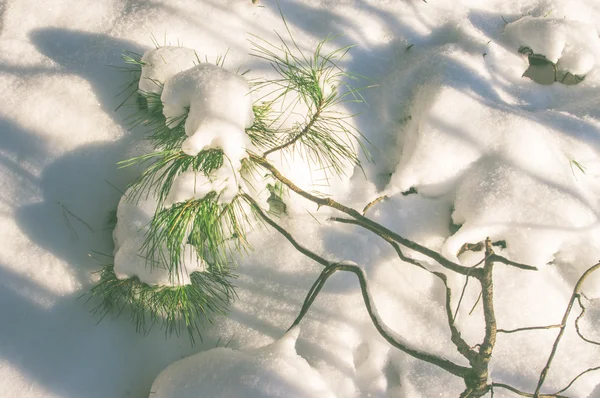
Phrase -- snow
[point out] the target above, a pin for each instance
(220, 108)
(162, 63)
(275, 370)
(451, 116)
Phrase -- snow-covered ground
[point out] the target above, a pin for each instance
(451, 116)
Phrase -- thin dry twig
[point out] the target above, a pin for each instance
(564, 325)
(373, 203)
(583, 309)
(528, 328)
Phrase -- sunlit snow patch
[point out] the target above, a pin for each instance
(275, 370)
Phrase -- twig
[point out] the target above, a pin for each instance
(575, 379)
(462, 293)
(525, 394)
(475, 305)
(360, 219)
(528, 328)
(302, 133)
(563, 325)
(285, 233)
(389, 335)
(583, 309)
(373, 203)
(463, 348)
(504, 260)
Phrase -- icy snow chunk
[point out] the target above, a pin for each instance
(220, 108)
(162, 63)
(133, 221)
(572, 45)
(275, 370)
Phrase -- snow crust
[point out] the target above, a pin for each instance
(572, 45)
(275, 370)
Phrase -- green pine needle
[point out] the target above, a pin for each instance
(318, 84)
(176, 309)
(216, 230)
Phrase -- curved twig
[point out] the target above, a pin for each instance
(575, 379)
(526, 394)
(564, 325)
(583, 309)
(389, 335)
(308, 253)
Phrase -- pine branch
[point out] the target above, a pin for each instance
(176, 309)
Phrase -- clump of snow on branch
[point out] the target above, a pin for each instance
(162, 63)
(275, 370)
(220, 108)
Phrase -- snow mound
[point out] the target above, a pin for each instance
(162, 63)
(133, 221)
(275, 370)
(509, 168)
(220, 108)
(572, 45)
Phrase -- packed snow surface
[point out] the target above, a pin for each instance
(489, 152)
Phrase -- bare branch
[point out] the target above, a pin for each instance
(389, 335)
(564, 324)
(528, 328)
(583, 309)
(575, 379)
(330, 268)
(308, 253)
(500, 259)
(525, 394)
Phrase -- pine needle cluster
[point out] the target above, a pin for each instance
(315, 85)
(176, 309)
